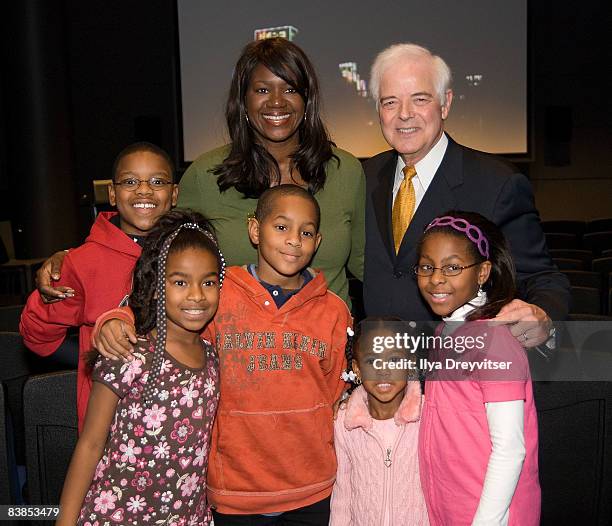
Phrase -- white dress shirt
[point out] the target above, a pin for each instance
(426, 168)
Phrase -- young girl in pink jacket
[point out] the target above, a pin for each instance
(478, 444)
(376, 436)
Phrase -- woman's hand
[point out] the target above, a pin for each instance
(49, 272)
(114, 340)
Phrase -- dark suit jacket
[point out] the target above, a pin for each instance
(466, 180)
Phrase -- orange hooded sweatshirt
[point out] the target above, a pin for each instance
(272, 446)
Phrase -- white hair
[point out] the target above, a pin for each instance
(403, 52)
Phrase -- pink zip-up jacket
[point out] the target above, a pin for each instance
(371, 479)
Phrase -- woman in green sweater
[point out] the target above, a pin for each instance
(277, 137)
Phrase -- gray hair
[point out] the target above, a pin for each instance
(400, 52)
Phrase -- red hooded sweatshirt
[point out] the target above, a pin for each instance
(100, 272)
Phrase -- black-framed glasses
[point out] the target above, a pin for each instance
(132, 184)
(447, 270)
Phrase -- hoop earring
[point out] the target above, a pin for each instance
(480, 292)
(246, 116)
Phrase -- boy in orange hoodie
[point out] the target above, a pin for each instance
(281, 337)
(97, 275)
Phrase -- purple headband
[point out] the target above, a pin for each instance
(473, 233)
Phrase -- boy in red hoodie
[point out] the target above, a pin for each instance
(97, 276)
(281, 337)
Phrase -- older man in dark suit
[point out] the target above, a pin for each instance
(430, 173)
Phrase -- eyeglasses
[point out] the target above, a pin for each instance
(447, 270)
(155, 183)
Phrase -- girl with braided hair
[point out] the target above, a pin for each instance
(143, 452)
(376, 436)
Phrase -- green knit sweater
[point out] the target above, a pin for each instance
(342, 203)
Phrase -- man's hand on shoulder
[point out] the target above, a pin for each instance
(528, 323)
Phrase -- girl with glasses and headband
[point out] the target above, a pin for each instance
(478, 443)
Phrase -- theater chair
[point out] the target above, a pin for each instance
(49, 403)
(575, 455)
(5, 486)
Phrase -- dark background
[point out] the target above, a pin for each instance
(81, 80)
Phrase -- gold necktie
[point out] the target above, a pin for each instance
(403, 207)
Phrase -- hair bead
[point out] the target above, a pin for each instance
(160, 343)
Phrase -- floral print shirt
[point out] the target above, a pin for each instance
(153, 470)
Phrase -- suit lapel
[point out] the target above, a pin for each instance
(439, 197)
(382, 198)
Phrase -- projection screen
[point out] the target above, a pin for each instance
(483, 41)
